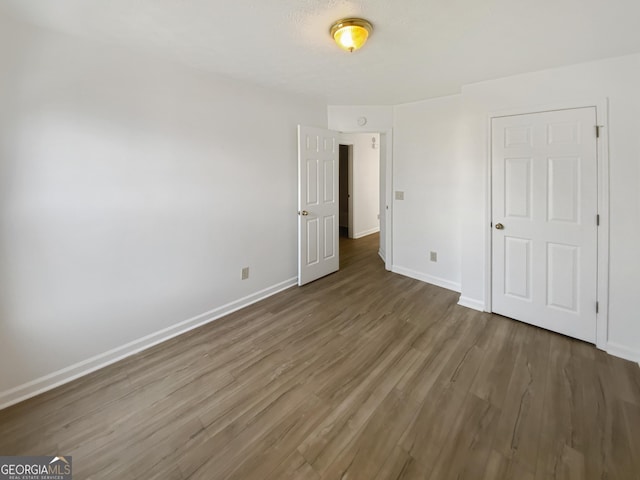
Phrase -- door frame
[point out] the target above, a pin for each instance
(602, 158)
(386, 139)
(386, 196)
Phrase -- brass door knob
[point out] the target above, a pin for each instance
(499, 226)
(303, 213)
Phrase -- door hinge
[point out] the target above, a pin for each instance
(597, 306)
(598, 127)
(598, 220)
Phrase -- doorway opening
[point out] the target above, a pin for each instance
(345, 187)
(359, 184)
(379, 148)
(367, 168)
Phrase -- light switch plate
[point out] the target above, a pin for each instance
(399, 195)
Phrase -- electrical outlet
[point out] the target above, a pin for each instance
(245, 273)
(433, 256)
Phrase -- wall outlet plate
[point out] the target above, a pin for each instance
(245, 273)
(433, 256)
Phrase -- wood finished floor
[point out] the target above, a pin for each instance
(361, 375)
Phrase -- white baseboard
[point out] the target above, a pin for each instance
(437, 281)
(621, 351)
(77, 370)
(471, 303)
(382, 256)
(366, 232)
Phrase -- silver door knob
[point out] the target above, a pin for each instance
(499, 226)
(303, 213)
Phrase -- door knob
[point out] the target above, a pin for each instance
(303, 212)
(499, 226)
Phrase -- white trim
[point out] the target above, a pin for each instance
(366, 232)
(381, 255)
(488, 257)
(351, 196)
(77, 370)
(549, 107)
(423, 277)
(388, 194)
(471, 303)
(602, 145)
(602, 317)
(623, 352)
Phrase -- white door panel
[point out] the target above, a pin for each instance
(318, 204)
(544, 195)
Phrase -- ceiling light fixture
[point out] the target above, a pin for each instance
(351, 33)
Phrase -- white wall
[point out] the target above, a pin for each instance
(425, 168)
(132, 192)
(365, 181)
(344, 118)
(440, 161)
(617, 79)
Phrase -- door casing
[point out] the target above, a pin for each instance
(602, 154)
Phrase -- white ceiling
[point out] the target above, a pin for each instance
(419, 49)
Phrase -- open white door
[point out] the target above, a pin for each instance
(544, 197)
(318, 206)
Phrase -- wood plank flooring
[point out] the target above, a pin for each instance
(361, 375)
